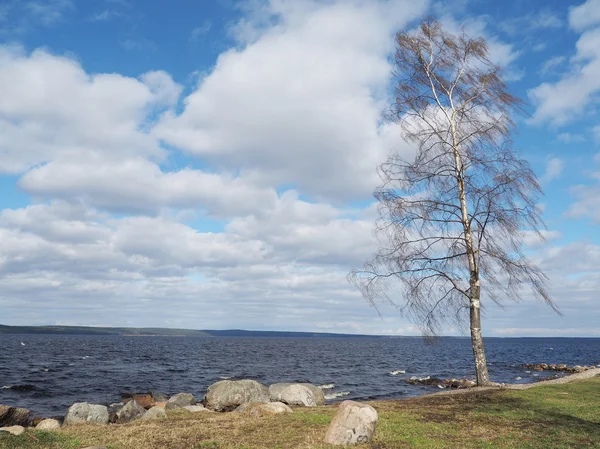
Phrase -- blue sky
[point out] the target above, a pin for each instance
(211, 165)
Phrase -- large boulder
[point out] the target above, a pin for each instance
(155, 413)
(180, 400)
(227, 395)
(275, 391)
(297, 394)
(48, 424)
(13, 416)
(130, 412)
(353, 423)
(82, 412)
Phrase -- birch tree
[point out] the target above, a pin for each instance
(452, 220)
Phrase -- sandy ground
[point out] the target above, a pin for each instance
(561, 380)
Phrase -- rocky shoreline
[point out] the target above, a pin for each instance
(244, 396)
(237, 396)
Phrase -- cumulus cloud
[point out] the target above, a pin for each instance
(577, 90)
(52, 109)
(585, 15)
(289, 106)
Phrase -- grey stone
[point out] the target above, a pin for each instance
(48, 424)
(353, 423)
(82, 412)
(227, 395)
(130, 412)
(275, 391)
(155, 413)
(298, 395)
(180, 400)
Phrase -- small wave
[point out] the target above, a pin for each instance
(225, 377)
(23, 387)
(396, 372)
(336, 395)
(326, 386)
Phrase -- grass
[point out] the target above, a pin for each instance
(553, 416)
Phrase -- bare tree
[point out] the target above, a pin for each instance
(453, 218)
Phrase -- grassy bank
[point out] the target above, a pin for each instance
(553, 416)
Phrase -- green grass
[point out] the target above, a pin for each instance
(555, 416)
(33, 439)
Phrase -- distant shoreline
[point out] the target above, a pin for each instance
(167, 332)
(160, 332)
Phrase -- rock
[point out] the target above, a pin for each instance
(196, 408)
(82, 412)
(130, 412)
(297, 394)
(259, 409)
(353, 423)
(162, 404)
(13, 416)
(180, 400)
(48, 424)
(157, 396)
(227, 395)
(276, 389)
(112, 411)
(579, 369)
(143, 399)
(155, 413)
(13, 430)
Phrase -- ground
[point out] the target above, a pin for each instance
(550, 416)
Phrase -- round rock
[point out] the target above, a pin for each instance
(48, 424)
(297, 394)
(353, 423)
(82, 413)
(155, 413)
(180, 400)
(276, 389)
(227, 395)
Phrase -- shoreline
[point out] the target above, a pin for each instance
(588, 374)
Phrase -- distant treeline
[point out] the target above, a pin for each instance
(149, 331)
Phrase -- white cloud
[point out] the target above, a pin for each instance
(585, 15)
(140, 186)
(48, 12)
(577, 90)
(51, 108)
(200, 31)
(570, 138)
(554, 168)
(291, 108)
(540, 20)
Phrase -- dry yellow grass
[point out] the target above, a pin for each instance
(184, 430)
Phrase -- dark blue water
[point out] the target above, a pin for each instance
(61, 370)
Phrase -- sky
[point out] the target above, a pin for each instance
(210, 165)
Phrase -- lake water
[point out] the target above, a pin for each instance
(48, 373)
